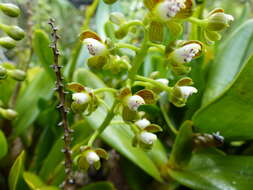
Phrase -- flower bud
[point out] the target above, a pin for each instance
(17, 74)
(95, 47)
(7, 42)
(186, 53)
(109, 1)
(147, 138)
(92, 157)
(134, 102)
(218, 20)
(121, 32)
(163, 81)
(117, 18)
(8, 113)
(10, 9)
(142, 123)
(168, 9)
(15, 32)
(3, 73)
(81, 97)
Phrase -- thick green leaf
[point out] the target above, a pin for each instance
(41, 45)
(3, 145)
(231, 113)
(27, 103)
(216, 172)
(232, 55)
(99, 186)
(120, 136)
(182, 148)
(33, 181)
(16, 171)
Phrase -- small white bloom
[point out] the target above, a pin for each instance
(147, 137)
(187, 91)
(134, 102)
(142, 123)
(229, 18)
(95, 47)
(169, 8)
(81, 98)
(92, 157)
(163, 81)
(186, 53)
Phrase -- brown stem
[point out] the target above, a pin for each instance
(69, 181)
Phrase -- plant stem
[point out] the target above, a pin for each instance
(125, 45)
(69, 181)
(154, 82)
(197, 21)
(167, 120)
(105, 90)
(103, 126)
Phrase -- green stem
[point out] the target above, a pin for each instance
(99, 90)
(103, 126)
(154, 82)
(167, 120)
(125, 45)
(101, 101)
(197, 21)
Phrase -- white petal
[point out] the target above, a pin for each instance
(95, 47)
(147, 138)
(92, 157)
(134, 102)
(142, 123)
(187, 91)
(229, 17)
(163, 81)
(81, 98)
(186, 53)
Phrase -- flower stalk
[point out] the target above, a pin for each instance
(69, 181)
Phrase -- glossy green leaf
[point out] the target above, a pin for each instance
(16, 171)
(41, 45)
(120, 136)
(216, 172)
(99, 186)
(33, 181)
(231, 113)
(3, 145)
(27, 103)
(232, 55)
(182, 148)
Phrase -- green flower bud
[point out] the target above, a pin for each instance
(121, 32)
(8, 113)
(3, 73)
(10, 9)
(117, 18)
(7, 42)
(17, 74)
(109, 1)
(218, 20)
(15, 32)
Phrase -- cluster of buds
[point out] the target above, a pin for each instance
(181, 91)
(215, 22)
(14, 33)
(90, 157)
(83, 98)
(145, 138)
(7, 69)
(184, 53)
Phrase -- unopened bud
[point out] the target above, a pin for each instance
(15, 32)
(8, 113)
(17, 74)
(110, 1)
(142, 123)
(10, 9)
(147, 138)
(3, 73)
(7, 42)
(117, 18)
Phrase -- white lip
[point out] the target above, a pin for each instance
(95, 47)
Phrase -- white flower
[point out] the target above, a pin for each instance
(163, 81)
(92, 157)
(95, 47)
(186, 53)
(134, 102)
(229, 18)
(81, 98)
(147, 137)
(142, 123)
(169, 8)
(187, 91)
